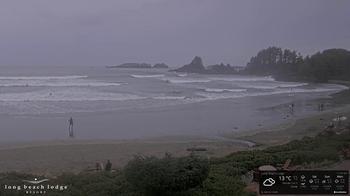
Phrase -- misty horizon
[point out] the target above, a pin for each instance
(111, 33)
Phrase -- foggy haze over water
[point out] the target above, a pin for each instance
(35, 102)
(108, 32)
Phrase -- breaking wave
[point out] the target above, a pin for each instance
(220, 90)
(186, 80)
(41, 77)
(148, 76)
(72, 94)
(227, 95)
(243, 79)
(273, 85)
(52, 81)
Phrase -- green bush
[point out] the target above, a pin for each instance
(159, 176)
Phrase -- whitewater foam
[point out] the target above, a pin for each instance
(227, 95)
(182, 75)
(220, 90)
(60, 84)
(52, 81)
(170, 97)
(71, 94)
(42, 77)
(148, 76)
(243, 79)
(273, 85)
(186, 80)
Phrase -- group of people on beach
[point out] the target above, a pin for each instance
(100, 167)
(291, 107)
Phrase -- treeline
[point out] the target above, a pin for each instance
(290, 65)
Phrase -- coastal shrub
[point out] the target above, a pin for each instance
(167, 175)
(219, 184)
(94, 184)
(192, 175)
(306, 150)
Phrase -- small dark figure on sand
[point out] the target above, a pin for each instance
(339, 119)
(320, 107)
(291, 108)
(70, 127)
(108, 166)
(330, 126)
(97, 166)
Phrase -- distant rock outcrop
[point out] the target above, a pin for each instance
(221, 69)
(160, 65)
(196, 66)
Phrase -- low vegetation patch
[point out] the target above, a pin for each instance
(192, 175)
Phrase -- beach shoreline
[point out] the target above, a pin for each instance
(307, 126)
(52, 157)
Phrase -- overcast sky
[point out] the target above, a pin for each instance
(108, 32)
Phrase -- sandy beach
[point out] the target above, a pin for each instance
(55, 157)
(308, 126)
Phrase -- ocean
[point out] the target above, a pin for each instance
(35, 102)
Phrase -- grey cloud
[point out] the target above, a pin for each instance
(104, 32)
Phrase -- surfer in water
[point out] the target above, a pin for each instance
(70, 127)
(291, 92)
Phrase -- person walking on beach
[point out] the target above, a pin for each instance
(321, 107)
(70, 127)
(99, 166)
(108, 166)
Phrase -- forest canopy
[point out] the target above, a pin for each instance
(290, 65)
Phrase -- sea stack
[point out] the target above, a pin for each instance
(196, 66)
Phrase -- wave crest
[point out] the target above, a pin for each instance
(148, 76)
(42, 77)
(221, 90)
